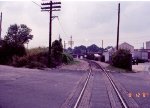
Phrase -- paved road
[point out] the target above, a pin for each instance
(137, 85)
(32, 88)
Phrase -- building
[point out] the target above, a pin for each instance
(108, 53)
(127, 47)
(141, 54)
(148, 45)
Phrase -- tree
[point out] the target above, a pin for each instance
(93, 48)
(57, 50)
(122, 59)
(79, 49)
(18, 34)
(13, 43)
(69, 50)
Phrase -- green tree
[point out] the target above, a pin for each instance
(57, 50)
(13, 43)
(122, 59)
(18, 34)
(93, 48)
(79, 49)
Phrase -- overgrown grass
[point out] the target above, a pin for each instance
(38, 58)
(35, 58)
(37, 50)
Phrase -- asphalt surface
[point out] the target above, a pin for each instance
(32, 88)
(137, 85)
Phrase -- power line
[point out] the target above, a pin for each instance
(61, 26)
(37, 4)
(50, 7)
(53, 18)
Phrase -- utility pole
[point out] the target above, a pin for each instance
(118, 25)
(143, 45)
(64, 45)
(102, 43)
(59, 36)
(50, 7)
(71, 42)
(102, 46)
(0, 26)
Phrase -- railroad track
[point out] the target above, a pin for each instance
(77, 101)
(120, 97)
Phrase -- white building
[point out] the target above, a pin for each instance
(140, 54)
(108, 53)
(148, 45)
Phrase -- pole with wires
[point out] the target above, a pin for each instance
(118, 25)
(50, 7)
(0, 26)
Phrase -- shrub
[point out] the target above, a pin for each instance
(20, 61)
(66, 58)
(7, 51)
(57, 50)
(31, 60)
(122, 59)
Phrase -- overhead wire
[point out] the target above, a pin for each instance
(61, 26)
(56, 17)
(37, 4)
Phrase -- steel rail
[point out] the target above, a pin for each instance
(82, 91)
(117, 91)
(124, 104)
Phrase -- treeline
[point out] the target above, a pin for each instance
(13, 51)
(83, 49)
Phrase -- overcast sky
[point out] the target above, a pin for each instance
(89, 22)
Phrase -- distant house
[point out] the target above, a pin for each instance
(108, 53)
(142, 54)
(148, 45)
(127, 47)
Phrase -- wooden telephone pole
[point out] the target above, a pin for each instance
(0, 26)
(50, 7)
(118, 25)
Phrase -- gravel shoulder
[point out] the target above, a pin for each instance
(78, 65)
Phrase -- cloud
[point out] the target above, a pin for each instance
(91, 20)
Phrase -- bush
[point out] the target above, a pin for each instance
(20, 61)
(38, 58)
(7, 51)
(57, 50)
(66, 58)
(31, 60)
(122, 59)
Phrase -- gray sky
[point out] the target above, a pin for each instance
(88, 22)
